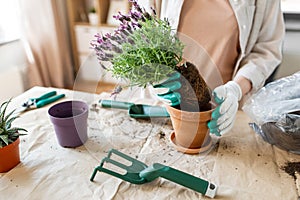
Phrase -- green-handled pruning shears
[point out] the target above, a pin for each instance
(39, 102)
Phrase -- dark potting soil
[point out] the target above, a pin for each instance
(291, 168)
(195, 93)
(284, 133)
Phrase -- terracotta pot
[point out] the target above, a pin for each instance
(9, 156)
(191, 131)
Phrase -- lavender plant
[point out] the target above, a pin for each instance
(143, 49)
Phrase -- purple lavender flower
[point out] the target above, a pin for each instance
(153, 10)
(137, 6)
(116, 38)
(123, 35)
(108, 35)
(129, 40)
(116, 91)
(135, 15)
(109, 45)
(116, 49)
(147, 15)
(136, 25)
(102, 66)
(100, 39)
(122, 18)
(109, 55)
(102, 58)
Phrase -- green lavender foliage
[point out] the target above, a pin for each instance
(8, 134)
(150, 55)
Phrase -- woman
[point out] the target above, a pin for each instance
(243, 37)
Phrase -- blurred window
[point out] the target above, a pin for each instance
(9, 21)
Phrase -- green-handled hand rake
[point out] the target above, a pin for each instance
(137, 172)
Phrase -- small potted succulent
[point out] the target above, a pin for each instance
(145, 51)
(9, 139)
(93, 16)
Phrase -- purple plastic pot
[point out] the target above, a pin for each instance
(69, 119)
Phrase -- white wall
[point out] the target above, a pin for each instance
(291, 46)
(291, 55)
(290, 6)
(13, 62)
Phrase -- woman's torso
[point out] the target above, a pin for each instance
(212, 24)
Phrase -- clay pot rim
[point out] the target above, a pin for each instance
(16, 142)
(190, 111)
(189, 116)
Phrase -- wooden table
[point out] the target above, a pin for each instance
(240, 162)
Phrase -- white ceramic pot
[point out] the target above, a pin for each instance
(93, 18)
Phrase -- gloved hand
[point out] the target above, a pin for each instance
(227, 97)
(166, 90)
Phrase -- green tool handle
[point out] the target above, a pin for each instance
(185, 179)
(174, 175)
(45, 96)
(115, 104)
(44, 102)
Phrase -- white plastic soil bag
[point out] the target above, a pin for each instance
(275, 110)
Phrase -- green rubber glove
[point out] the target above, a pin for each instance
(166, 91)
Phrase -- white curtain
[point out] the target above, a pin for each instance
(49, 50)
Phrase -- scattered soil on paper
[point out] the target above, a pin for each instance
(162, 135)
(291, 168)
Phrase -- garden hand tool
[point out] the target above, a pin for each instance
(227, 97)
(138, 173)
(136, 110)
(166, 91)
(39, 102)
